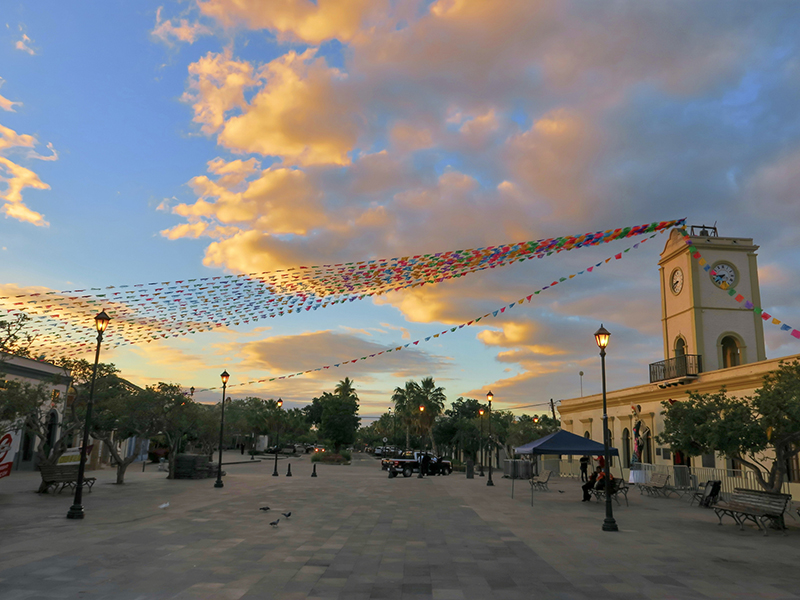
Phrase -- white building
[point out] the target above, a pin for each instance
(56, 380)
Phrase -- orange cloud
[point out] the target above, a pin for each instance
(304, 20)
(183, 32)
(17, 179)
(300, 115)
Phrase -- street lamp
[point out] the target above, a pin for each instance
(76, 510)
(490, 397)
(277, 438)
(421, 462)
(224, 376)
(601, 336)
(480, 445)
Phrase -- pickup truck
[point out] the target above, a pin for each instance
(409, 463)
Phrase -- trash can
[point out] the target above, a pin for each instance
(470, 469)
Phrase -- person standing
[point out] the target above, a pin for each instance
(584, 469)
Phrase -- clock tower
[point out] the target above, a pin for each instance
(698, 317)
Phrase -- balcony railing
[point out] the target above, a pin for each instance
(686, 365)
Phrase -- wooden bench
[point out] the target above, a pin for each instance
(539, 482)
(757, 506)
(62, 476)
(657, 486)
(617, 487)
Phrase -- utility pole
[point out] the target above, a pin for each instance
(553, 408)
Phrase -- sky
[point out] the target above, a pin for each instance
(157, 141)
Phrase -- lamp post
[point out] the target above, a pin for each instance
(224, 376)
(76, 510)
(480, 446)
(601, 336)
(277, 438)
(421, 462)
(490, 397)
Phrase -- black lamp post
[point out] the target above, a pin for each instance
(76, 510)
(421, 462)
(277, 438)
(224, 376)
(601, 336)
(480, 446)
(489, 397)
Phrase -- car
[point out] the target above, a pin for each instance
(409, 462)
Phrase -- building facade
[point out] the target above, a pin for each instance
(709, 342)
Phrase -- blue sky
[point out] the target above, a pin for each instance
(163, 141)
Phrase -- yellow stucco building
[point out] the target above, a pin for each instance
(710, 341)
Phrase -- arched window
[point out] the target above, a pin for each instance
(587, 435)
(626, 447)
(647, 448)
(680, 347)
(730, 352)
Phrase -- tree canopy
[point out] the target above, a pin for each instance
(762, 432)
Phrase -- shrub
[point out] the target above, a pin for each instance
(330, 458)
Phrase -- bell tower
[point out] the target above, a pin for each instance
(698, 317)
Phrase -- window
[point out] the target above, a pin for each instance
(587, 435)
(626, 447)
(709, 461)
(647, 448)
(680, 347)
(730, 352)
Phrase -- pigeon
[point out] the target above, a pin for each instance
(275, 523)
(287, 515)
(560, 491)
(264, 508)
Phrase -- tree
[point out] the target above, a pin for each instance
(762, 432)
(406, 407)
(13, 339)
(122, 412)
(340, 415)
(179, 416)
(432, 398)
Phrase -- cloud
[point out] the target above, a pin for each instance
(23, 45)
(16, 179)
(5, 103)
(301, 20)
(285, 355)
(183, 32)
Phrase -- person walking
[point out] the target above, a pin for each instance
(584, 469)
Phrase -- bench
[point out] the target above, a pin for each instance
(539, 482)
(709, 495)
(62, 476)
(657, 486)
(617, 487)
(757, 506)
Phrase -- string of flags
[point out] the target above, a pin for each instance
(63, 323)
(453, 329)
(736, 295)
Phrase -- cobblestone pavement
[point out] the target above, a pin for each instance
(354, 534)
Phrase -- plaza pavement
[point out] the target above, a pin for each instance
(354, 534)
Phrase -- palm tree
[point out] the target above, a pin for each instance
(346, 389)
(406, 406)
(433, 399)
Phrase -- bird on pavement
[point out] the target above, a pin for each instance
(275, 523)
(264, 508)
(287, 515)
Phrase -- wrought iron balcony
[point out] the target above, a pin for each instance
(684, 366)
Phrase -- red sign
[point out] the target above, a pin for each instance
(8, 443)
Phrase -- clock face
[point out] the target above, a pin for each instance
(724, 273)
(676, 281)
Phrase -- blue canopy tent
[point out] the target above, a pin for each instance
(564, 442)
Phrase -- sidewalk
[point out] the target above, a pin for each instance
(354, 534)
